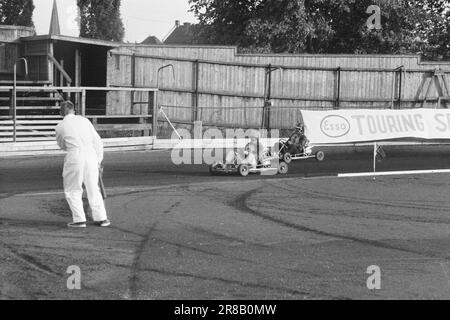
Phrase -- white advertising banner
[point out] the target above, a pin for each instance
(360, 125)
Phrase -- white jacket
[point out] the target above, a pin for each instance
(76, 133)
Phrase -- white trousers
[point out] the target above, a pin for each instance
(81, 167)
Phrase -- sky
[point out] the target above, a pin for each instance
(140, 17)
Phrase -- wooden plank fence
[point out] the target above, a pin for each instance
(217, 86)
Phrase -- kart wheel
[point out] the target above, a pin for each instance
(244, 170)
(320, 156)
(212, 169)
(287, 158)
(283, 168)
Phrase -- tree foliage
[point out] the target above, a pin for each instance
(437, 29)
(326, 26)
(17, 12)
(100, 19)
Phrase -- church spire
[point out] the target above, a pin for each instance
(54, 23)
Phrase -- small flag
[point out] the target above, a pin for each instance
(380, 154)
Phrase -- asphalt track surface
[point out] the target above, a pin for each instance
(151, 169)
(180, 233)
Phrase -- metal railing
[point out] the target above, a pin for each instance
(80, 94)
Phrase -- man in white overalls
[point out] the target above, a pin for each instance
(77, 136)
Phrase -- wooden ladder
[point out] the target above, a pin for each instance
(443, 89)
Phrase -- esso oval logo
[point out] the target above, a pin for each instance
(335, 126)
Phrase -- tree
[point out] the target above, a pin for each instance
(101, 19)
(17, 13)
(226, 21)
(436, 29)
(398, 33)
(325, 26)
(292, 26)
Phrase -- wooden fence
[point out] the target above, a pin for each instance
(270, 90)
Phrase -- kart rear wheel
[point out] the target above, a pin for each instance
(212, 170)
(320, 156)
(287, 158)
(283, 168)
(244, 170)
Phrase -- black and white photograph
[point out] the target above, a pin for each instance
(229, 158)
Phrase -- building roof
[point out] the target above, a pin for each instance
(184, 34)
(151, 40)
(53, 37)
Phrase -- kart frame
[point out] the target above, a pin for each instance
(245, 169)
(288, 157)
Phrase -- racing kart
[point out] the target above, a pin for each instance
(287, 157)
(269, 163)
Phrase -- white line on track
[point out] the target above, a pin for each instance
(391, 173)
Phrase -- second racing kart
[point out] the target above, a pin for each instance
(287, 157)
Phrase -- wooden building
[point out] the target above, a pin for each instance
(58, 68)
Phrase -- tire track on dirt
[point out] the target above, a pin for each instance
(240, 204)
(175, 205)
(31, 223)
(354, 213)
(140, 250)
(31, 261)
(324, 195)
(225, 237)
(217, 235)
(134, 270)
(372, 202)
(229, 258)
(290, 291)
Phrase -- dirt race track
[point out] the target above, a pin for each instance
(179, 233)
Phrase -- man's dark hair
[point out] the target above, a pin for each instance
(67, 106)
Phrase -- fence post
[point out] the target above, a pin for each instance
(338, 89)
(397, 80)
(146, 133)
(400, 88)
(153, 104)
(446, 94)
(266, 75)
(133, 82)
(267, 96)
(14, 104)
(268, 114)
(195, 113)
(12, 111)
